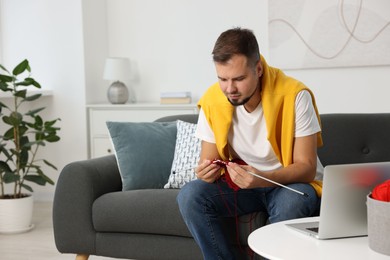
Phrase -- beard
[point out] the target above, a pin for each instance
(244, 101)
(238, 102)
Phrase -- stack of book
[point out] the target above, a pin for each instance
(181, 97)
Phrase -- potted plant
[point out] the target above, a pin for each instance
(22, 133)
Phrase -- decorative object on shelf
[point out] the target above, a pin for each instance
(118, 69)
(179, 97)
(27, 132)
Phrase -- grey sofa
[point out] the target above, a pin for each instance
(92, 216)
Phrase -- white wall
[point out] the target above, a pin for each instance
(349, 90)
(169, 43)
(95, 49)
(49, 34)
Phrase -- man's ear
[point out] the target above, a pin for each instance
(259, 68)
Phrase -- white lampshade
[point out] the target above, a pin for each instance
(117, 69)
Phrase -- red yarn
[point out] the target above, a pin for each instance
(229, 181)
(235, 188)
(226, 176)
(382, 192)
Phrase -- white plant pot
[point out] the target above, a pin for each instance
(16, 215)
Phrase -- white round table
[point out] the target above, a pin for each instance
(277, 241)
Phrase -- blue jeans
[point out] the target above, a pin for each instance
(202, 204)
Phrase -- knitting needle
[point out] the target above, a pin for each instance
(261, 177)
(277, 183)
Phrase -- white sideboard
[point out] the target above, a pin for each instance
(99, 143)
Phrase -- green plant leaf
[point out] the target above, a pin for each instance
(3, 105)
(38, 122)
(3, 68)
(21, 93)
(39, 136)
(33, 97)
(49, 164)
(36, 84)
(36, 179)
(4, 167)
(23, 130)
(52, 138)
(23, 159)
(21, 67)
(29, 144)
(10, 177)
(26, 187)
(7, 120)
(28, 82)
(14, 119)
(9, 134)
(48, 180)
(25, 82)
(6, 78)
(4, 150)
(51, 123)
(4, 86)
(35, 111)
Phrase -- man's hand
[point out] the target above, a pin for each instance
(240, 176)
(208, 171)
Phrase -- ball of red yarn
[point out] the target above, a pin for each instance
(382, 192)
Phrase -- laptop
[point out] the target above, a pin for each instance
(343, 210)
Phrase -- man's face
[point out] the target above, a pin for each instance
(238, 81)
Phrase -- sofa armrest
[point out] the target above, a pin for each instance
(79, 184)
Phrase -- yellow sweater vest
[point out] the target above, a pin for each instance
(278, 100)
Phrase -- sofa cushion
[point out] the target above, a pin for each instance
(150, 211)
(144, 152)
(355, 138)
(186, 157)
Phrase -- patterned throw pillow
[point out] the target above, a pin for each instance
(186, 156)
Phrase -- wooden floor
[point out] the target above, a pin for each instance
(37, 244)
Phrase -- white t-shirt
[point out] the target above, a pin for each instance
(248, 135)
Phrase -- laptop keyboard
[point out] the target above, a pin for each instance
(314, 229)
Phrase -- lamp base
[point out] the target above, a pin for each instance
(117, 93)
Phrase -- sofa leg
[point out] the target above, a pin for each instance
(82, 257)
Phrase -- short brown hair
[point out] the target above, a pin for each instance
(236, 41)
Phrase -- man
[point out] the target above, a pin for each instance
(259, 115)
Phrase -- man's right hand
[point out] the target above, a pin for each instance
(208, 171)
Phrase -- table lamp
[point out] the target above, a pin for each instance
(118, 70)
